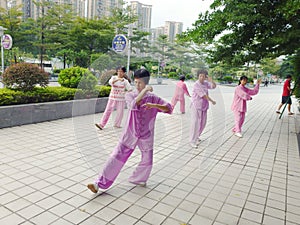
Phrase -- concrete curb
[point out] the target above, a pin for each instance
(16, 115)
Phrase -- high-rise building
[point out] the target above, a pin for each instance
(3, 4)
(155, 33)
(144, 13)
(101, 8)
(82, 8)
(172, 29)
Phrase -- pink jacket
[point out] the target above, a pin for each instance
(180, 90)
(200, 90)
(241, 95)
(141, 121)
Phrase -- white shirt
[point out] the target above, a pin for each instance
(118, 88)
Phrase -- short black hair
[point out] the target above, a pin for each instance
(142, 74)
(288, 76)
(202, 72)
(123, 68)
(243, 78)
(182, 77)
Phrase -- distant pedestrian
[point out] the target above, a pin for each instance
(266, 83)
(180, 91)
(199, 105)
(119, 85)
(143, 107)
(239, 105)
(286, 95)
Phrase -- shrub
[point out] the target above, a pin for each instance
(71, 77)
(250, 80)
(48, 94)
(103, 91)
(57, 70)
(25, 76)
(173, 75)
(105, 76)
(228, 79)
(88, 82)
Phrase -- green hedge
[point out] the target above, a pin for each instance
(48, 94)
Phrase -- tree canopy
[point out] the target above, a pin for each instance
(240, 31)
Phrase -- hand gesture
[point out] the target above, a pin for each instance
(149, 88)
(259, 81)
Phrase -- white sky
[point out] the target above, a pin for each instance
(185, 11)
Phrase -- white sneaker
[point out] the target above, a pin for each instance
(142, 184)
(193, 145)
(238, 134)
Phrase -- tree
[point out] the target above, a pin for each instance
(121, 18)
(89, 37)
(59, 21)
(10, 18)
(240, 31)
(269, 66)
(286, 67)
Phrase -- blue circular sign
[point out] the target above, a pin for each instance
(119, 43)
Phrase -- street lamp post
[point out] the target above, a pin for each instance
(2, 29)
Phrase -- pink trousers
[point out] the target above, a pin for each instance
(239, 118)
(198, 122)
(182, 104)
(117, 160)
(111, 105)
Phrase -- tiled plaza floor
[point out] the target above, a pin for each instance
(44, 169)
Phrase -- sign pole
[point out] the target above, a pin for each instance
(128, 57)
(2, 29)
(2, 55)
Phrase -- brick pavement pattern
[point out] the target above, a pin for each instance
(44, 169)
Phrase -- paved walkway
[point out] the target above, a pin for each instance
(44, 169)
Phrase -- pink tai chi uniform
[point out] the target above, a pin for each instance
(199, 107)
(239, 105)
(116, 100)
(139, 131)
(180, 91)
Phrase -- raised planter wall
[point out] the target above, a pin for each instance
(39, 112)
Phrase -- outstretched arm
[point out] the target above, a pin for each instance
(209, 99)
(255, 90)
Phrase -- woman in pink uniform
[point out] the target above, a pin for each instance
(180, 91)
(239, 105)
(139, 131)
(199, 105)
(116, 98)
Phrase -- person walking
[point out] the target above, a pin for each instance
(143, 107)
(286, 95)
(116, 99)
(180, 91)
(239, 105)
(199, 105)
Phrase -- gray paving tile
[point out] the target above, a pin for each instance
(12, 219)
(153, 218)
(254, 180)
